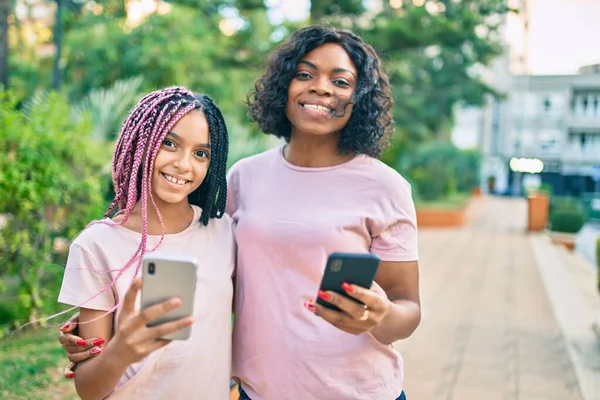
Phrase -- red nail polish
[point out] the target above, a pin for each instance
(65, 327)
(324, 295)
(96, 351)
(347, 287)
(309, 304)
(98, 342)
(71, 375)
(81, 343)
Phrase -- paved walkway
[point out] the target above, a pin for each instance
(488, 330)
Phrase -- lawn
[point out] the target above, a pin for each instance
(31, 367)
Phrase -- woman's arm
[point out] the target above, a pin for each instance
(400, 282)
(97, 377)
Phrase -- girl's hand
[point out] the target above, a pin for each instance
(133, 340)
(77, 349)
(354, 317)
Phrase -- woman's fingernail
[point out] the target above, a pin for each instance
(98, 342)
(347, 287)
(95, 351)
(81, 342)
(71, 375)
(324, 295)
(309, 304)
(65, 327)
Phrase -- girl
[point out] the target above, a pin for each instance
(169, 179)
(324, 91)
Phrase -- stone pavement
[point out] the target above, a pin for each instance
(488, 329)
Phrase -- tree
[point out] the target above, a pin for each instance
(432, 52)
(50, 188)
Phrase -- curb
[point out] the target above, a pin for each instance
(596, 328)
(573, 314)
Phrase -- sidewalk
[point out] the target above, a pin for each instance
(489, 330)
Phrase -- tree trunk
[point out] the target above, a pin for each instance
(4, 13)
(56, 72)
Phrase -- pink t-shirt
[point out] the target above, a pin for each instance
(196, 368)
(289, 219)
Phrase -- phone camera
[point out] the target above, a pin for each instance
(151, 268)
(336, 266)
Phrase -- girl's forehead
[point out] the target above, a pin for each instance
(192, 127)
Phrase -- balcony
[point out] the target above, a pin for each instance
(584, 122)
(585, 111)
(575, 153)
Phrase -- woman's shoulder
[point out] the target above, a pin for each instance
(388, 178)
(256, 160)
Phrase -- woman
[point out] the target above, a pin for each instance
(325, 92)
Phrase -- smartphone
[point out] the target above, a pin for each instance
(357, 269)
(165, 276)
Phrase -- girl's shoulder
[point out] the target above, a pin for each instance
(216, 226)
(103, 234)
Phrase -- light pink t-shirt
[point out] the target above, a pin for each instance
(289, 219)
(196, 368)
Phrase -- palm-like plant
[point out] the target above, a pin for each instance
(109, 107)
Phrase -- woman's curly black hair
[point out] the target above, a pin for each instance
(370, 124)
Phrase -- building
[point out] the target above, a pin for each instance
(546, 130)
(547, 127)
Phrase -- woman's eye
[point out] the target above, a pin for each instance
(168, 143)
(303, 75)
(342, 83)
(202, 154)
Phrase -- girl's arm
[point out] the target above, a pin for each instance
(132, 342)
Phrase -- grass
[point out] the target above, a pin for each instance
(452, 202)
(31, 366)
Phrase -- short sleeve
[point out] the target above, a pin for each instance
(232, 191)
(394, 230)
(85, 284)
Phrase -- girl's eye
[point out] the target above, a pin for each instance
(303, 75)
(202, 154)
(168, 143)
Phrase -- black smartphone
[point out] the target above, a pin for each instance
(357, 269)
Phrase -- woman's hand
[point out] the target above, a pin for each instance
(354, 317)
(133, 340)
(77, 349)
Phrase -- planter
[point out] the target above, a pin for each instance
(476, 192)
(563, 239)
(537, 212)
(436, 218)
(234, 394)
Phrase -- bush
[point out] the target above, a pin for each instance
(50, 187)
(439, 170)
(568, 221)
(566, 214)
(568, 203)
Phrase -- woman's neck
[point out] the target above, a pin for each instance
(175, 217)
(315, 151)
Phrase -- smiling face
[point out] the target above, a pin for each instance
(183, 159)
(318, 95)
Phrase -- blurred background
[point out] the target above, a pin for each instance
(494, 99)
